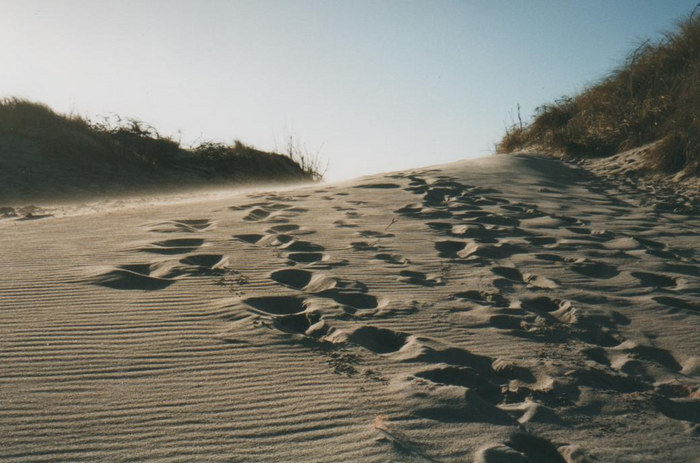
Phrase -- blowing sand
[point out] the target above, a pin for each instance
(508, 309)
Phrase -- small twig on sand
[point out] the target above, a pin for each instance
(393, 221)
(400, 441)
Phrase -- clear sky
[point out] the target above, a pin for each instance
(374, 85)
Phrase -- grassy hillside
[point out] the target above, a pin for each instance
(43, 153)
(654, 96)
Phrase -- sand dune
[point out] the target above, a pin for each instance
(507, 309)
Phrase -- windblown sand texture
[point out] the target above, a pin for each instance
(508, 309)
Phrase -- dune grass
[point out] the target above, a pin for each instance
(653, 97)
(124, 151)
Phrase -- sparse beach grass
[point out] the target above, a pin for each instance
(654, 96)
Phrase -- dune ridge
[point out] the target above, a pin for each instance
(54, 158)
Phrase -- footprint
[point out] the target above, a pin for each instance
(649, 243)
(541, 240)
(483, 201)
(597, 378)
(377, 340)
(303, 280)
(496, 219)
(303, 247)
(474, 214)
(509, 273)
(183, 225)
(273, 239)
(685, 269)
(545, 221)
(251, 238)
(277, 206)
(462, 376)
(477, 232)
(205, 264)
(278, 305)
(449, 248)
(510, 276)
(356, 300)
(290, 228)
(544, 304)
(539, 281)
(248, 206)
(417, 188)
(484, 297)
(463, 206)
(446, 403)
(174, 246)
(374, 234)
(380, 186)
(440, 226)
(654, 280)
(623, 244)
(535, 448)
(132, 277)
(492, 251)
(532, 412)
(276, 240)
(426, 350)
(549, 257)
(597, 270)
(514, 207)
(34, 216)
(278, 219)
(650, 354)
(429, 213)
(485, 317)
(680, 409)
(343, 224)
(423, 213)
(453, 249)
(393, 259)
(408, 209)
(421, 279)
(298, 323)
(293, 278)
(256, 215)
(672, 254)
(199, 224)
(364, 246)
(307, 257)
(676, 303)
(293, 211)
(499, 453)
(284, 228)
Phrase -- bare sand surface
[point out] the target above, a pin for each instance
(507, 309)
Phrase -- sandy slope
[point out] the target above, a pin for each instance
(504, 309)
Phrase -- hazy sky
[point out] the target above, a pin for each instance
(374, 85)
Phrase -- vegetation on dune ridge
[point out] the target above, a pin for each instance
(653, 97)
(38, 145)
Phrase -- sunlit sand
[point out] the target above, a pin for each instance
(502, 309)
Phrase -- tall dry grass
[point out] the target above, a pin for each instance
(653, 96)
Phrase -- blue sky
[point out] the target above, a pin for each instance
(372, 85)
